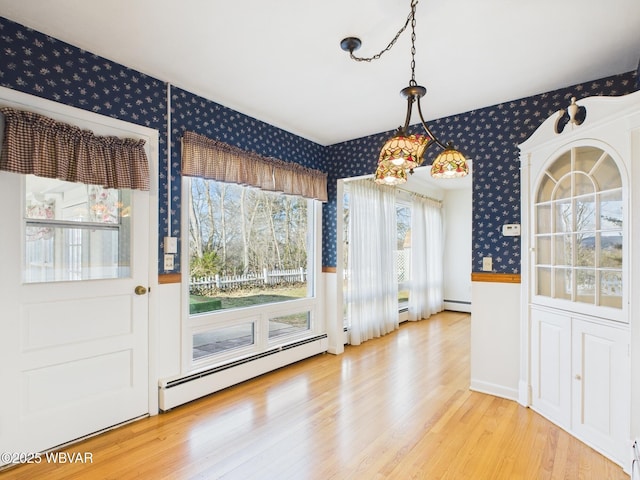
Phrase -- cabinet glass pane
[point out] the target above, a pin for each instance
(543, 250)
(582, 184)
(610, 250)
(545, 188)
(611, 224)
(611, 289)
(564, 188)
(585, 249)
(561, 166)
(585, 213)
(586, 158)
(562, 286)
(543, 283)
(563, 216)
(563, 250)
(585, 285)
(611, 210)
(543, 218)
(607, 175)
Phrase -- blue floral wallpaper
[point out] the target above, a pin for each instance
(197, 114)
(40, 65)
(490, 136)
(43, 66)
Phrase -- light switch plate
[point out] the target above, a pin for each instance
(170, 244)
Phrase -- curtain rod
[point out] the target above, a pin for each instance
(370, 178)
(426, 197)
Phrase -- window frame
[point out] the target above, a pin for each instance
(258, 315)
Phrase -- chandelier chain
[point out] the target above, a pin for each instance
(411, 18)
(403, 152)
(413, 44)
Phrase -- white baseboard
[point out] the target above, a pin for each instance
(495, 390)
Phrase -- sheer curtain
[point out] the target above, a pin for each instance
(426, 295)
(372, 289)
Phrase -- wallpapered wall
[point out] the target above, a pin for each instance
(43, 66)
(490, 137)
(197, 114)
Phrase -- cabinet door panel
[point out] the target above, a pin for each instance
(551, 365)
(601, 386)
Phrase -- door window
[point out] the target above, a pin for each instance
(74, 231)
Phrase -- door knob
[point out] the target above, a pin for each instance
(140, 290)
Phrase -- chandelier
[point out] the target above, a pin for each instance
(403, 152)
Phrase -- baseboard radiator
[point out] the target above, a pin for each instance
(457, 305)
(185, 389)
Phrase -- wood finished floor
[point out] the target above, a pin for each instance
(398, 407)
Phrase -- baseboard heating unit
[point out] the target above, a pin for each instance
(457, 305)
(185, 389)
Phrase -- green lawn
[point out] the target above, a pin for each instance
(238, 299)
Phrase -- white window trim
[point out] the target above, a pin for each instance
(259, 314)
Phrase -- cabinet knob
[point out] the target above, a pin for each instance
(578, 377)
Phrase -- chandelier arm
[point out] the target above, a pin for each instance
(429, 132)
(407, 120)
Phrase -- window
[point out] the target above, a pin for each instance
(578, 229)
(402, 253)
(251, 254)
(75, 231)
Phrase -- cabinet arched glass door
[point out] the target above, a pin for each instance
(578, 225)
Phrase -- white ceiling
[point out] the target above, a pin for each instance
(280, 60)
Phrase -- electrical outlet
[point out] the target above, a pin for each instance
(487, 264)
(168, 262)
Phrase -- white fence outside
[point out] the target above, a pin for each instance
(230, 282)
(403, 265)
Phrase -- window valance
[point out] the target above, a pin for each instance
(39, 145)
(207, 158)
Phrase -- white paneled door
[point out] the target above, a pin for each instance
(74, 311)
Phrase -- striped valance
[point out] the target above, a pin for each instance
(207, 158)
(39, 145)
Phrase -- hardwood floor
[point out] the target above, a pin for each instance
(398, 407)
